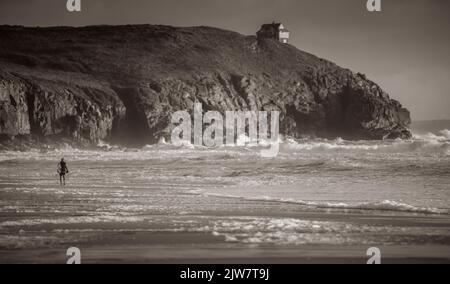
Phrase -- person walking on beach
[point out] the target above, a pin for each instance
(62, 171)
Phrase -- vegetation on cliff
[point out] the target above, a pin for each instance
(121, 83)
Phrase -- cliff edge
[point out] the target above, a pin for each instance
(121, 83)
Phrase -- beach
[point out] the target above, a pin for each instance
(321, 201)
(152, 245)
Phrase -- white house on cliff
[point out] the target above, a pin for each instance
(274, 31)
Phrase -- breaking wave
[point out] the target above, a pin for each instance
(429, 143)
(438, 144)
(384, 205)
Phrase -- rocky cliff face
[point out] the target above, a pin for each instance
(122, 83)
(54, 110)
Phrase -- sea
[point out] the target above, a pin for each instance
(230, 196)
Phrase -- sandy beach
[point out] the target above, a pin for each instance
(143, 242)
(141, 246)
(317, 202)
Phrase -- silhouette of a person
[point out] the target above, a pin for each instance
(62, 170)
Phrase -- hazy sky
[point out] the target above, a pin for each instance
(405, 48)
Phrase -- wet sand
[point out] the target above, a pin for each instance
(149, 245)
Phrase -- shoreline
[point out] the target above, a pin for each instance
(159, 246)
(188, 254)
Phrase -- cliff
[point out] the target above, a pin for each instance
(121, 83)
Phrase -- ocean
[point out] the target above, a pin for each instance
(317, 200)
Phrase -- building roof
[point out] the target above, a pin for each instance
(274, 25)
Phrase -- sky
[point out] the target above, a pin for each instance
(405, 48)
